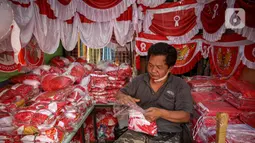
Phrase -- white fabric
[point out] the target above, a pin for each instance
(5, 45)
(69, 33)
(25, 20)
(103, 15)
(123, 31)
(151, 3)
(112, 46)
(96, 35)
(247, 32)
(63, 12)
(7, 17)
(244, 60)
(46, 32)
(15, 41)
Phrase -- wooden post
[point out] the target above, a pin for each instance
(221, 130)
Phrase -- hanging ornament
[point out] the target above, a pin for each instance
(177, 19)
(215, 8)
(143, 47)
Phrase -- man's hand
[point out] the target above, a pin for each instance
(152, 114)
(127, 100)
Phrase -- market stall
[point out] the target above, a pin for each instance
(63, 61)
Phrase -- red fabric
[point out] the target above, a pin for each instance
(81, 60)
(211, 108)
(185, 59)
(45, 9)
(204, 82)
(248, 118)
(205, 96)
(231, 37)
(53, 82)
(249, 52)
(85, 19)
(212, 16)
(137, 62)
(71, 58)
(126, 15)
(223, 61)
(249, 8)
(102, 4)
(64, 2)
(57, 61)
(167, 27)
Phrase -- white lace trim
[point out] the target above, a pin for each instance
(247, 32)
(63, 12)
(103, 15)
(214, 36)
(244, 60)
(69, 34)
(151, 3)
(186, 37)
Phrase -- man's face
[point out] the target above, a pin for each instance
(157, 67)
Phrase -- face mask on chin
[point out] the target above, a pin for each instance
(161, 79)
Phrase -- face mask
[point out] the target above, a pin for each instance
(161, 79)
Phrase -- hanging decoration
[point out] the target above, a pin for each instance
(249, 29)
(180, 25)
(188, 55)
(213, 19)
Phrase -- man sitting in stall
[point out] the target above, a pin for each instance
(165, 98)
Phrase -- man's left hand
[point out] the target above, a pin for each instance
(152, 114)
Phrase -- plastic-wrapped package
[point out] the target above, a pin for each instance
(68, 120)
(20, 78)
(241, 88)
(81, 60)
(53, 135)
(204, 81)
(71, 58)
(211, 108)
(248, 118)
(205, 96)
(138, 123)
(59, 61)
(51, 82)
(76, 70)
(46, 69)
(59, 95)
(98, 80)
(240, 102)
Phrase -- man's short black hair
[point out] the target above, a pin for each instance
(165, 50)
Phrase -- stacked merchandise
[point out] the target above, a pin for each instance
(106, 80)
(212, 95)
(105, 122)
(45, 104)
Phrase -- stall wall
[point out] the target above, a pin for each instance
(47, 58)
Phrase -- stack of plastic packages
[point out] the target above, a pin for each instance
(212, 95)
(106, 81)
(240, 94)
(105, 122)
(204, 83)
